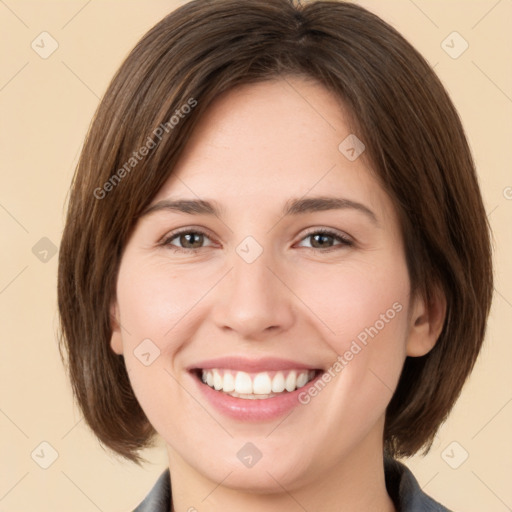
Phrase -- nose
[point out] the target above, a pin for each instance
(253, 300)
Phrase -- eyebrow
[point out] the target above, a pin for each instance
(296, 206)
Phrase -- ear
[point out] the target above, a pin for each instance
(116, 342)
(426, 323)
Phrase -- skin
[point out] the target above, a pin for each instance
(257, 147)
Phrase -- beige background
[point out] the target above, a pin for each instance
(46, 107)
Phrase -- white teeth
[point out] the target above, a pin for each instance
(254, 386)
(243, 383)
(291, 381)
(278, 383)
(251, 396)
(302, 379)
(229, 383)
(217, 380)
(262, 384)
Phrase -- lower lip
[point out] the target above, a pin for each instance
(265, 409)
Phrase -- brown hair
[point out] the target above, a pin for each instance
(414, 141)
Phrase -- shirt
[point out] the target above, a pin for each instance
(401, 485)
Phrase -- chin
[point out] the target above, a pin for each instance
(262, 479)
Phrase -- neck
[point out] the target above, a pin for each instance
(354, 484)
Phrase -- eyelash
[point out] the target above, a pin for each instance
(345, 241)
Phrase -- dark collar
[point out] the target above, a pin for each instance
(405, 491)
(400, 483)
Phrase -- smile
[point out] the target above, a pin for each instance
(261, 385)
(253, 390)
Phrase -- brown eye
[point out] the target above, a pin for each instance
(324, 239)
(186, 241)
(321, 240)
(191, 240)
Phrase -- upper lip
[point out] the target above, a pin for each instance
(245, 364)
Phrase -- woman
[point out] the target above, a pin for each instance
(276, 257)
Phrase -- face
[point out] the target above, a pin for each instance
(295, 311)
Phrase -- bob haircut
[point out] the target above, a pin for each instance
(415, 147)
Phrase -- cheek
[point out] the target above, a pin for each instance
(159, 310)
(358, 302)
(366, 312)
(364, 316)
(156, 301)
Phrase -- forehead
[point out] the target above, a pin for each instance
(271, 141)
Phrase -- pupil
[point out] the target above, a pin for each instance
(189, 237)
(321, 238)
